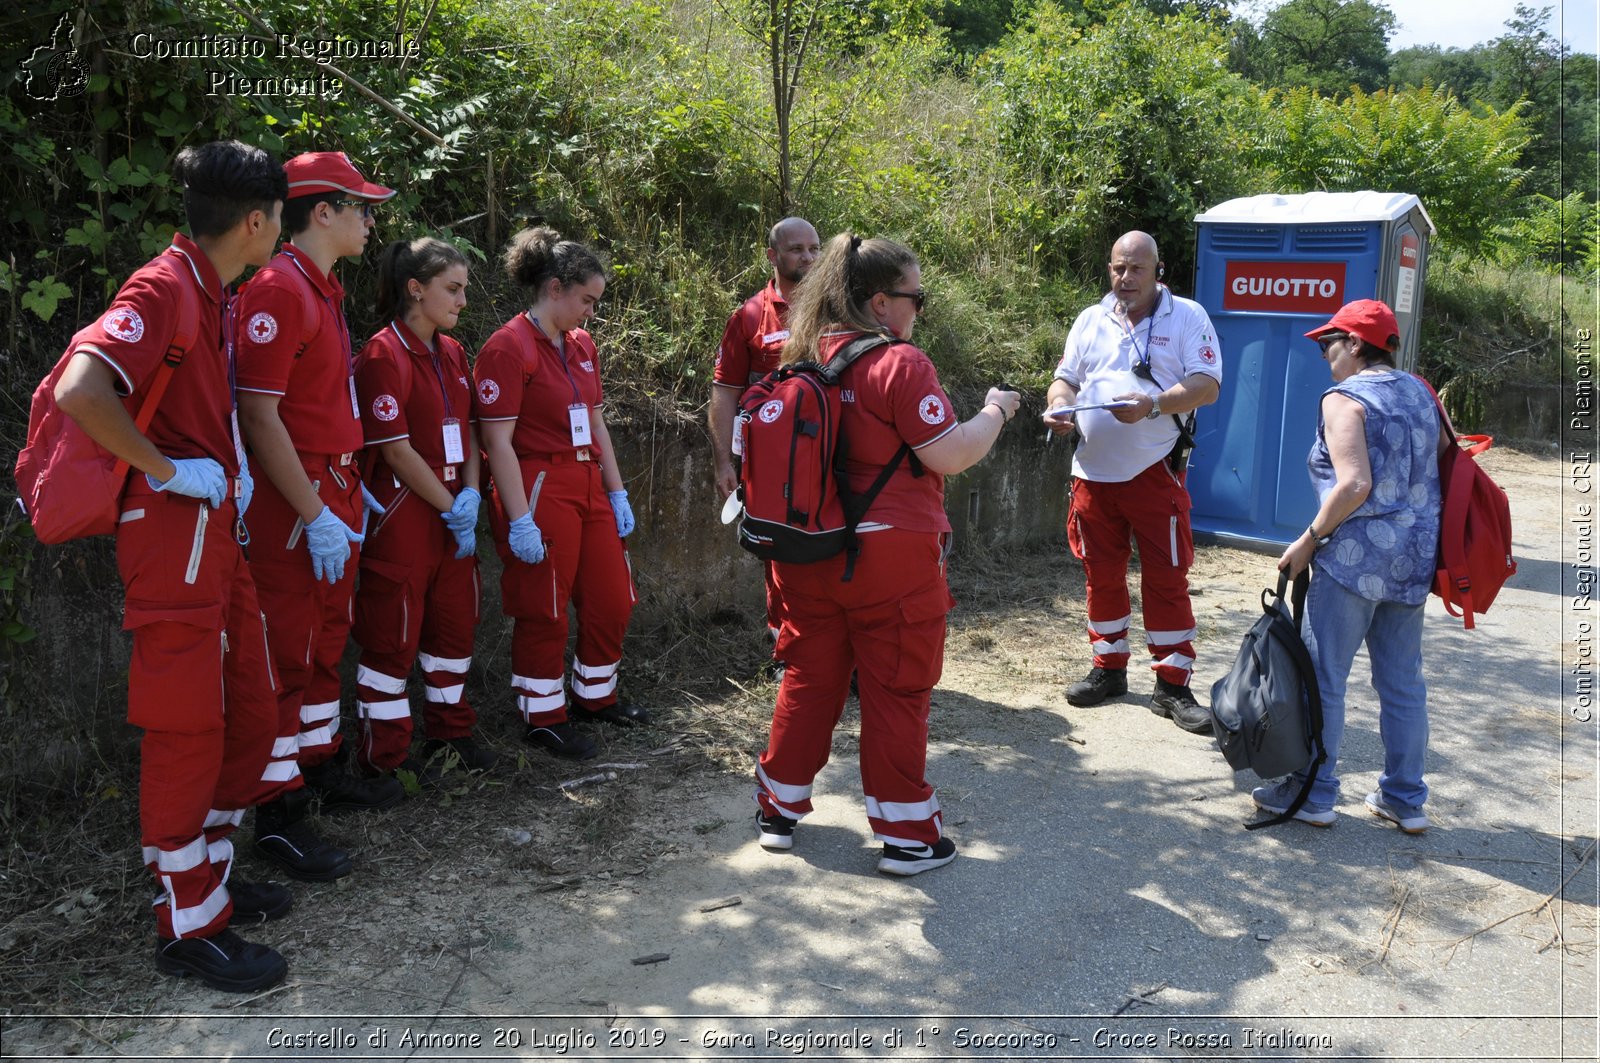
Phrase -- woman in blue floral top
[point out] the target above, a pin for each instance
(1372, 545)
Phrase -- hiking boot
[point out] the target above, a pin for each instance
(473, 757)
(1177, 702)
(775, 832)
(1408, 819)
(1097, 686)
(561, 740)
(339, 791)
(1273, 799)
(622, 714)
(425, 772)
(225, 961)
(257, 902)
(287, 839)
(914, 860)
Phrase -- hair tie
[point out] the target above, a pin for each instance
(855, 244)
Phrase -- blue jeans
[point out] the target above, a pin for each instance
(1337, 621)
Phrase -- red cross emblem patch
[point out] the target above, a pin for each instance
(385, 408)
(124, 323)
(262, 328)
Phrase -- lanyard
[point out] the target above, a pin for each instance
(438, 369)
(336, 308)
(577, 399)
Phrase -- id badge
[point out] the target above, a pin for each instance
(736, 444)
(579, 416)
(453, 452)
(355, 403)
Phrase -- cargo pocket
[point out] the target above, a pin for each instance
(922, 629)
(387, 609)
(175, 674)
(1180, 536)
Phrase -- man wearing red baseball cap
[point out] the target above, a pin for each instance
(298, 413)
(1369, 319)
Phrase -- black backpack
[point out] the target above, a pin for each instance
(798, 506)
(1267, 711)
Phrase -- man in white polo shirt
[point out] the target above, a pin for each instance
(1155, 355)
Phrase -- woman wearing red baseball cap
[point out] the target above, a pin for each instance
(1371, 548)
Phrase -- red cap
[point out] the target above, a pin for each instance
(1367, 319)
(317, 172)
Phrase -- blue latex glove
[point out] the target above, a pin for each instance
(369, 506)
(467, 542)
(195, 478)
(463, 515)
(329, 538)
(526, 542)
(622, 511)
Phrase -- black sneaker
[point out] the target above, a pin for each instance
(296, 848)
(225, 961)
(622, 714)
(914, 860)
(339, 791)
(562, 740)
(775, 832)
(1177, 702)
(1097, 686)
(472, 756)
(257, 902)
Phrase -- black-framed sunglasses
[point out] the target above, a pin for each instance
(364, 205)
(919, 297)
(1328, 341)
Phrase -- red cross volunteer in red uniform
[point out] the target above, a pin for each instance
(298, 410)
(199, 684)
(1158, 353)
(888, 622)
(751, 347)
(559, 512)
(418, 599)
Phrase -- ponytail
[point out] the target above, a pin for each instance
(836, 292)
(418, 260)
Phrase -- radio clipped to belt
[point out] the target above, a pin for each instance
(1178, 456)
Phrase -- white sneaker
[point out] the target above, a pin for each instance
(1412, 822)
(1271, 799)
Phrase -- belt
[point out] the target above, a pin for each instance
(347, 458)
(580, 454)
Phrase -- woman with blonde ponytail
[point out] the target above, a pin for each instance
(418, 597)
(887, 623)
(559, 512)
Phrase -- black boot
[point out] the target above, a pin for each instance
(284, 836)
(339, 791)
(257, 902)
(224, 961)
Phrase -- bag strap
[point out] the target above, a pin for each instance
(182, 339)
(1288, 636)
(856, 506)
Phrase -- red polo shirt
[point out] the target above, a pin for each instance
(753, 341)
(517, 356)
(317, 384)
(132, 337)
(408, 391)
(892, 396)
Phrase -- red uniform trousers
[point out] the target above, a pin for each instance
(416, 604)
(200, 685)
(308, 621)
(774, 600)
(1153, 510)
(887, 625)
(585, 563)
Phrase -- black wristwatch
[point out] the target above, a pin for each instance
(1319, 541)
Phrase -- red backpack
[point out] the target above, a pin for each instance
(1474, 527)
(69, 486)
(798, 506)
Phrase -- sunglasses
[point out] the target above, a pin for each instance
(1328, 341)
(364, 205)
(919, 297)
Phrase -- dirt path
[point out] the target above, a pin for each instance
(1106, 903)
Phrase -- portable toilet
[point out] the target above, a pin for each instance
(1269, 269)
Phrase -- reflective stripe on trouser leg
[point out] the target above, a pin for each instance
(1173, 654)
(448, 627)
(1108, 640)
(540, 701)
(1158, 507)
(383, 710)
(178, 775)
